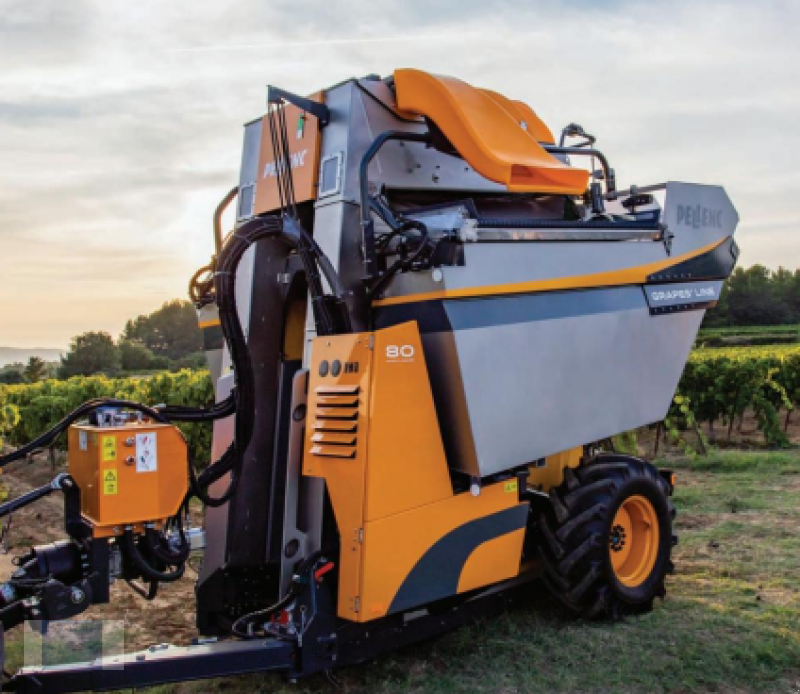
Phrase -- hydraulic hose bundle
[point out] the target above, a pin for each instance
(330, 315)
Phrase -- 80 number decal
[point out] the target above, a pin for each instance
(399, 351)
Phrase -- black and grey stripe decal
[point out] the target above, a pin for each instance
(436, 574)
(717, 264)
(444, 315)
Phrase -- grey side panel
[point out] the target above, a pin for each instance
(553, 382)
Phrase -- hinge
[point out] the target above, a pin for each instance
(372, 341)
(356, 604)
(361, 535)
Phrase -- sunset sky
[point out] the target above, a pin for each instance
(120, 123)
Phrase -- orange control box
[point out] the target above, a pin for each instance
(129, 474)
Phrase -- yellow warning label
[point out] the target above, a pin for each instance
(511, 486)
(109, 448)
(109, 482)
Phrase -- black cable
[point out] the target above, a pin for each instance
(45, 439)
(403, 264)
(273, 134)
(148, 571)
(179, 413)
(283, 135)
(155, 544)
(148, 592)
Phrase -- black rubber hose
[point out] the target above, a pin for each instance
(403, 264)
(179, 413)
(45, 439)
(148, 592)
(148, 572)
(155, 545)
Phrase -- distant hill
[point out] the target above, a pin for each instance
(9, 355)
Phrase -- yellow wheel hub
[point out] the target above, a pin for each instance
(634, 541)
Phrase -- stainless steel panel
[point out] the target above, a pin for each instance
(518, 389)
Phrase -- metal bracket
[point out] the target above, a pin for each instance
(278, 96)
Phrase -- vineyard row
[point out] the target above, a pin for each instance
(718, 387)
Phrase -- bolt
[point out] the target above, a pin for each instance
(77, 596)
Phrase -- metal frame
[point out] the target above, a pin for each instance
(608, 172)
(326, 643)
(277, 96)
(156, 665)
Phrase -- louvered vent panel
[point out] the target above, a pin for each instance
(335, 422)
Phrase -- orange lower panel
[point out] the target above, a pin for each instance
(438, 550)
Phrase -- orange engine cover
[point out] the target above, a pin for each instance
(128, 475)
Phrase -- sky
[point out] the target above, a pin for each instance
(121, 123)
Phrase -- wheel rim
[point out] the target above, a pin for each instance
(633, 541)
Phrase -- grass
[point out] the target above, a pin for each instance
(731, 621)
(749, 330)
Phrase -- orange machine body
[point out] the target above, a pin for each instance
(498, 137)
(407, 538)
(304, 145)
(128, 475)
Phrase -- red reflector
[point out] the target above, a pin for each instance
(282, 618)
(322, 570)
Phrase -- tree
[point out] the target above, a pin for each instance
(758, 296)
(136, 357)
(171, 331)
(35, 370)
(90, 353)
(11, 374)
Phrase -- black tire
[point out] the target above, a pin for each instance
(575, 536)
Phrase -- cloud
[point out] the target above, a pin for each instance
(120, 130)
